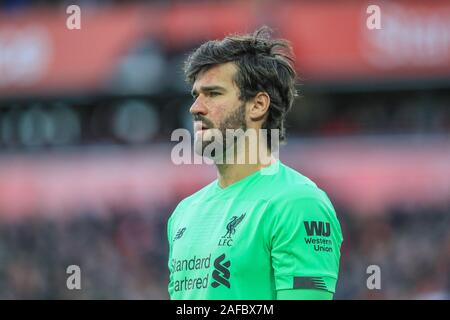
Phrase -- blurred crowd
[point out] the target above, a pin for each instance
(410, 246)
(123, 255)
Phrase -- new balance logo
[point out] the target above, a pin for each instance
(317, 228)
(179, 234)
(222, 273)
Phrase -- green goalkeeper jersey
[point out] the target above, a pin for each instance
(273, 230)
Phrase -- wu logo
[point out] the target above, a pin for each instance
(179, 234)
(221, 274)
(317, 228)
(226, 240)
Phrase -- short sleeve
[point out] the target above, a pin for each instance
(304, 240)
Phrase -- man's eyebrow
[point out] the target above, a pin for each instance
(208, 88)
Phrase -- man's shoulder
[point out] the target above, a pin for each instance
(294, 185)
(302, 199)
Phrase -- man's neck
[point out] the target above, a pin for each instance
(227, 174)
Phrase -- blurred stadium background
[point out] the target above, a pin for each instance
(86, 117)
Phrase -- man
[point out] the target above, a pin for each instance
(261, 230)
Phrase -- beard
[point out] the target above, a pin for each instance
(234, 121)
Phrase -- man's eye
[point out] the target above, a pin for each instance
(214, 93)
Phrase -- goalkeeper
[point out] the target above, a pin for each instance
(261, 230)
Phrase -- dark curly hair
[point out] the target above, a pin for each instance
(264, 65)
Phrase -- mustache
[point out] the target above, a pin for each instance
(198, 117)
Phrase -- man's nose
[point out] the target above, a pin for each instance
(198, 107)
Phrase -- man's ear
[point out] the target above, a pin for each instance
(259, 107)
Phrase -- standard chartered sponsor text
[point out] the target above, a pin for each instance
(194, 263)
